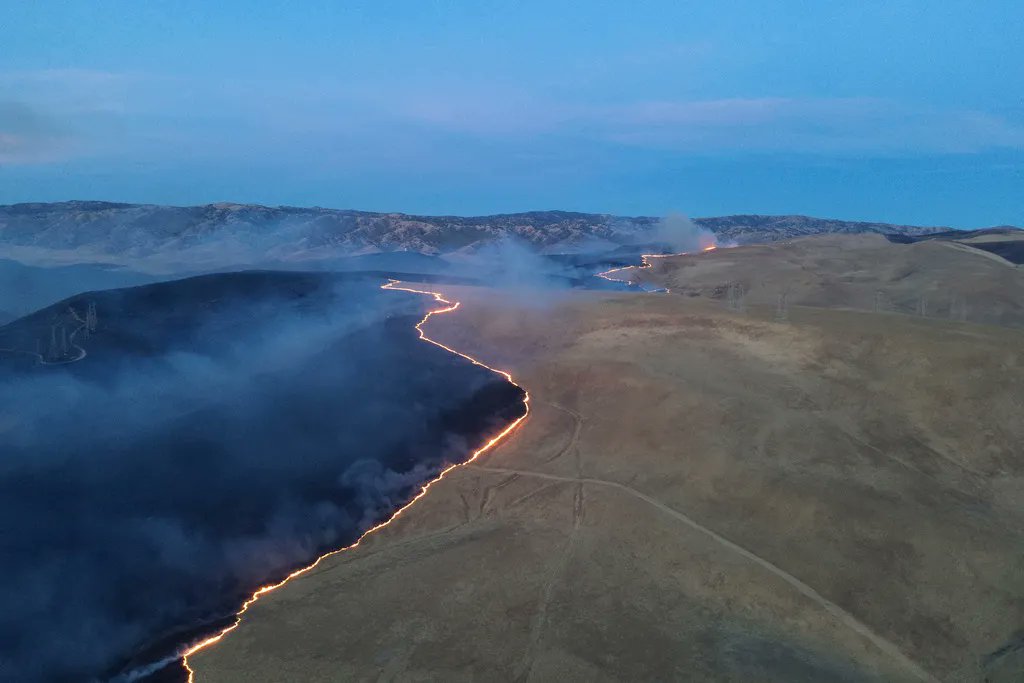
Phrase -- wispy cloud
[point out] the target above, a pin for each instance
(26, 136)
(51, 115)
(762, 124)
(825, 125)
(174, 118)
(73, 91)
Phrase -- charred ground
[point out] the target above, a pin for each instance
(220, 431)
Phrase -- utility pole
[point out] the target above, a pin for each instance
(91, 318)
(957, 308)
(51, 353)
(736, 297)
(782, 310)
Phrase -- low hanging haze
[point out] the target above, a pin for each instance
(910, 112)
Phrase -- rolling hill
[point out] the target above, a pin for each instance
(699, 494)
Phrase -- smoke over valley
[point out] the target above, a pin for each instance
(218, 432)
(511, 341)
(170, 446)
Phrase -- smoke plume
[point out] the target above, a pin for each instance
(221, 431)
(681, 234)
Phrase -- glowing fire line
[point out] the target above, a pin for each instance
(644, 263)
(448, 308)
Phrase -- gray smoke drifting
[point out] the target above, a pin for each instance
(221, 431)
(681, 234)
(517, 272)
(26, 288)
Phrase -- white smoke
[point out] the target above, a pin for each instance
(681, 234)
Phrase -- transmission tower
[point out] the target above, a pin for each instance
(736, 296)
(52, 352)
(957, 308)
(782, 309)
(91, 319)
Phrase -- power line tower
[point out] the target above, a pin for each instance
(52, 353)
(736, 297)
(957, 308)
(91, 319)
(782, 309)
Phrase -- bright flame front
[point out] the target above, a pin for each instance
(447, 307)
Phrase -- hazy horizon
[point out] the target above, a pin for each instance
(485, 215)
(905, 113)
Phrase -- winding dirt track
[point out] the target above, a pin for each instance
(836, 539)
(82, 353)
(842, 615)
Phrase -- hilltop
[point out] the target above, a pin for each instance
(932, 278)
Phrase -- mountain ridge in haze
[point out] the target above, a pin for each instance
(227, 233)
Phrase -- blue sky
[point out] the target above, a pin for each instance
(900, 111)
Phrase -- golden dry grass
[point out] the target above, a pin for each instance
(697, 495)
(945, 280)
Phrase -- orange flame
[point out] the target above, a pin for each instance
(448, 308)
(645, 263)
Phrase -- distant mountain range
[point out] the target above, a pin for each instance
(215, 235)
